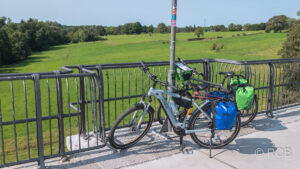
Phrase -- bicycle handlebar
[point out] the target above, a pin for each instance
(154, 78)
(220, 86)
(194, 70)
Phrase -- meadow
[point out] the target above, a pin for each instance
(256, 45)
(134, 48)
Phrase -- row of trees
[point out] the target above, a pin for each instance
(18, 40)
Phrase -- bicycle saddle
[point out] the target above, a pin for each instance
(227, 73)
(200, 86)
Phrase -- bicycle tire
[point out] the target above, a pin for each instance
(213, 145)
(111, 137)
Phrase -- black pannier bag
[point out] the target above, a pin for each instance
(183, 102)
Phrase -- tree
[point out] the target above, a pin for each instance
(5, 48)
(126, 28)
(145, 29)
(2, 21)
(161, 28)
(291, 48)
(77, 36)
(218, 28)
(198, 31)
(277, 23)
(298, 13)
(88, 35)
(41, 40)
(291, 22)
(19, 47)
(150, 29)
(100, 30)
(231, 27)
(254, 27)
(137, 28)
(238, 27)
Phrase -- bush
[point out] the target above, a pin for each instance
(213, 46)
(219, 37)
(193, 39)
(233, 36)
(244, 34)
(221, 46)
(238, 35)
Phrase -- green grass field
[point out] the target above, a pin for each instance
(117, 49)
(133, 48)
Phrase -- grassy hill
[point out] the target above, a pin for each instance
(133, 48)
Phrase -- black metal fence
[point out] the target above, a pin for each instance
(52, 114)
(42, 115)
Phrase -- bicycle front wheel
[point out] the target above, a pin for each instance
(130, 127)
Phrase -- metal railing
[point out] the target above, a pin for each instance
(45, 111)
(52, 114)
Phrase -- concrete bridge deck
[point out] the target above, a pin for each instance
(266, 143)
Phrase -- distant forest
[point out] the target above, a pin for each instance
(19, 40)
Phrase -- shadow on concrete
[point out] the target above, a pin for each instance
(152, 145)
(287, 114)
(272, 124)
(256, 146)
(267, 124)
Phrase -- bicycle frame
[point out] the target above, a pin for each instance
(158, 93)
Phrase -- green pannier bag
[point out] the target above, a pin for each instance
(244, 94)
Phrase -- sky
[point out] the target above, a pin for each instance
(116, 12)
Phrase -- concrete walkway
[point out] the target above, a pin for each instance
(277, 147)
(266, 143)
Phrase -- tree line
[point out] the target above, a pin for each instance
(19, 40)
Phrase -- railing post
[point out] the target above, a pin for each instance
(60, 113)
(101, 102)
(247, 72)
(39, 127)
(207, 71)
(271, 91)
(82, 104)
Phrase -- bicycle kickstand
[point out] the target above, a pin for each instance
(210, 146)
(181, 148)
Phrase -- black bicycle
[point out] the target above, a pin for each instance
(202, 123)
(247, 115)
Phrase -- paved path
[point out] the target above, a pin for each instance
(277, 147)
(267, 143)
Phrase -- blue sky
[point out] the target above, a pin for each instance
(116, 12)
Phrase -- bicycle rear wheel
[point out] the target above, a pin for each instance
(248, 115)
(221, 138)
(126, 130)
